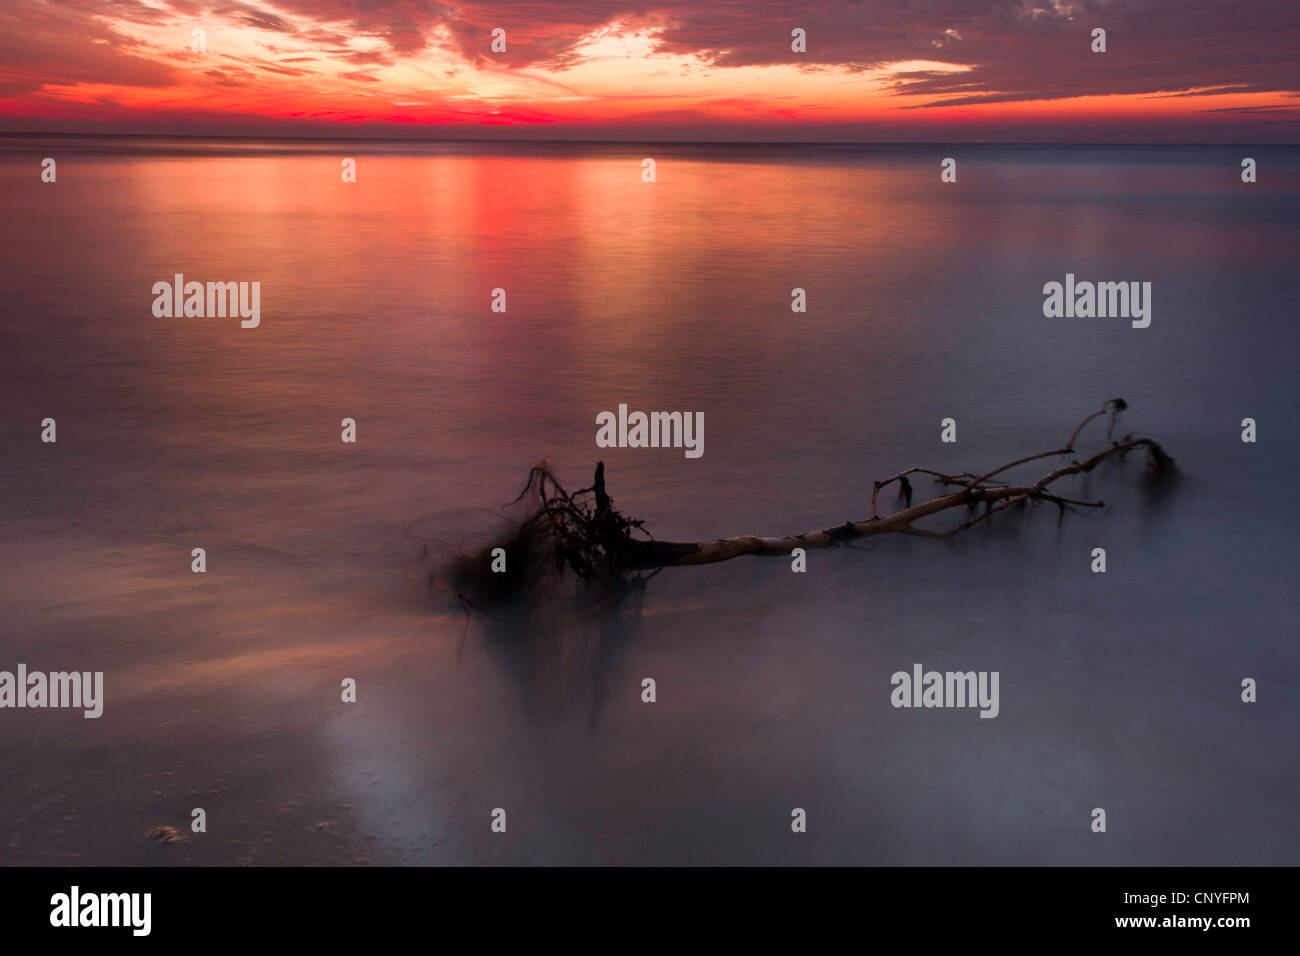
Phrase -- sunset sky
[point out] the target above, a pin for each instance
(1001, 70)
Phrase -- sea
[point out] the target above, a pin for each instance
(472, 308)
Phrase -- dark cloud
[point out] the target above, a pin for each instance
(58, 44)
(1291, 110)
(132, 11)
(223, 78)
(1014, 49)
(361, 57)
(253, 17)
(283, 70)
(539, 33)
(1002, 50)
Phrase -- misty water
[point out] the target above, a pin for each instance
(222, 690)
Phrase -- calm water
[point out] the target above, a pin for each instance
(1118, 691)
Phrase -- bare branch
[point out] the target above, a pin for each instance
(996, 499)
(585, 533)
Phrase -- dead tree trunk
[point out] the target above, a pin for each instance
(595, 540)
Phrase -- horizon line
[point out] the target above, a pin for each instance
(619, 142)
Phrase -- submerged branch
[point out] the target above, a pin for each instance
(584, 533)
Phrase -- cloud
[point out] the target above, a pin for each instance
(45, 44)
(926, 56)
(264, 21)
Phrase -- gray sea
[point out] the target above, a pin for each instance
(1119, 691)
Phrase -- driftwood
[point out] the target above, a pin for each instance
(586, 534)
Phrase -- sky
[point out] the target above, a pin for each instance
(714, 70)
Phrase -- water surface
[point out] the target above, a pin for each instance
(1118, 690)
